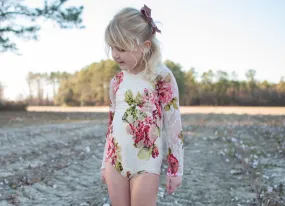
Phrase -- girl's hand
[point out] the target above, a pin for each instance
(172, 183)
(103, 176)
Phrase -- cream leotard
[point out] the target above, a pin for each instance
(144, 123)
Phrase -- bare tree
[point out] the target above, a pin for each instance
(12, 10)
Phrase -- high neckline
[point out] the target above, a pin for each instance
(141, 72)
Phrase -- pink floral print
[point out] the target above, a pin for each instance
(168, 94)
(113, 154)
(117, 81)
(163, 89)
(151, 114)
(142, 119)
(173, 163)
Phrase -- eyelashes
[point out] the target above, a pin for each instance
(119, 49)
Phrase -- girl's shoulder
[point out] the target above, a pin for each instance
(118, 76)
(116, 80)
(162, 71)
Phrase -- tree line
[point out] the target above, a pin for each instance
(38, 83)
(90, 87)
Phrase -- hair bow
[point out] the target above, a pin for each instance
(147, 16)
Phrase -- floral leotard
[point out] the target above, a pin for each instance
(144, 124)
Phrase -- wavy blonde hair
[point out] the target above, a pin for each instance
(128, 29)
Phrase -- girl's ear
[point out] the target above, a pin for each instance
(147, 44)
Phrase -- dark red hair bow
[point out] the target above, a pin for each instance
(147, 16)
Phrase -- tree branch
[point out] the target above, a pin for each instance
(11, 10)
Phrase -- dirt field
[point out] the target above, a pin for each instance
(53, 158)
(184, 110)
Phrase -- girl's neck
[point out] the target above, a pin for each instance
(136, 70)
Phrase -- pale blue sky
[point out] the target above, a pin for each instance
(229, 35)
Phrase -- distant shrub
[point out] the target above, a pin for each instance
(13, 106)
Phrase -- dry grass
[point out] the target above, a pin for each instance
(184, 110)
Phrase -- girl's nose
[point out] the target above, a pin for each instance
(115, 54)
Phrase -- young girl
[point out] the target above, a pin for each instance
(144, 118)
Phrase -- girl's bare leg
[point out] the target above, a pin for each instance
(118, 186)
(144, 189)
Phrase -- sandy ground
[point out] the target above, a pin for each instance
(184, 110)
(53, 158)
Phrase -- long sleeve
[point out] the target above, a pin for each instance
(111, 115)
(172, 126)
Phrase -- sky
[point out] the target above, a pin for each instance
(228, 35)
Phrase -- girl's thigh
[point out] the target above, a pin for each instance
(118, 186)
(144, 189)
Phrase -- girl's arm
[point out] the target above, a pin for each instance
(172, 127)
(111, 115)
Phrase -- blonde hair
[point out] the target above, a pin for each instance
(128, 29)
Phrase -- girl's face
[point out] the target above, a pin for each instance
(128, 60)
